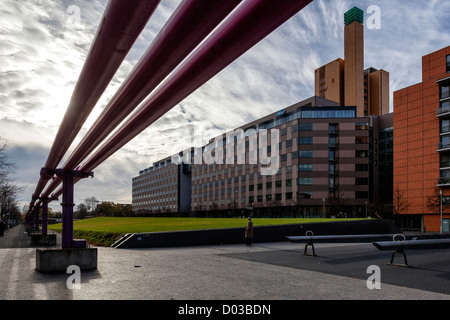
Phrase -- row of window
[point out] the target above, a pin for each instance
(268, 185)
(251, 200)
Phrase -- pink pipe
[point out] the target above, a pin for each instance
(246, 26)
(186, 28)
(121, 25)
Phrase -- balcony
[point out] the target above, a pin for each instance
(444, 110)
(443, 146)
(443, 182)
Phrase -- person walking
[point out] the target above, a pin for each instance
(249, 232)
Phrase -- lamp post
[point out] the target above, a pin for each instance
(323, 207)
(440, 208)
(366, 209)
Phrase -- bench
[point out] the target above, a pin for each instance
(400, 246)
(309, 239)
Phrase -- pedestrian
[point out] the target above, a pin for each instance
(249, 232)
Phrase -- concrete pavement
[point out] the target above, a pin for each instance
(264, 271)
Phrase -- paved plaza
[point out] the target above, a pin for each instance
(263, 271)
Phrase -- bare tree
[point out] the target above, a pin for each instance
(91, 203)
(8, 190)
(434, 201)
(400, 204)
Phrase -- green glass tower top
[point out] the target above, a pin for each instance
(354, 14)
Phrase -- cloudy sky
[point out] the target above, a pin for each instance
(43, 45)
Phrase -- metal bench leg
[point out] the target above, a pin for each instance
(404, 258)
(306, 249)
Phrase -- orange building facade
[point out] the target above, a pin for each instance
(422, 147)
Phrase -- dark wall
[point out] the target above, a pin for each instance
(261, 233)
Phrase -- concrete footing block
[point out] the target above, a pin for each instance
(43, 239)
(58, 260)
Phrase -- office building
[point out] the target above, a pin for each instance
(346, 82)
(164, 188)
(327, 166)
(422, 147)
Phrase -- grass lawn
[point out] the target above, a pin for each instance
(124, 225)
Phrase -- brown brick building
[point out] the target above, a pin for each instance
(422, 146)
(328, 163)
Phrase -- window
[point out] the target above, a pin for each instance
(288, 182)
(362, 140)
(305, 127)
(332, 168)
(333, 128)
(448, 63)
(289, 143)
(304, 181)
(259, 198)
(268, 185)
(362, 181)
(259, 186)
(251, 199)
(304, 195)
(251, 187)
(362, 126)
(325, 113)
(305, 140)
(362, 153)
(332, 141)
(362, 167)
(288, 195)
(305, 167)
(268, 197)
(444, 160)
(444, 125)
(361, 195)
(278, 184)
(305, 154)
(283, 157)
(445, 90)
(278, 196)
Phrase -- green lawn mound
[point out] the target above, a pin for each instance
(104, 231)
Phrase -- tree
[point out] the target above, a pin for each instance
(91, 204)
(399, 205)
(81, 212)
(434, 201)
(109, 209)
(8, 190)
(335, 203)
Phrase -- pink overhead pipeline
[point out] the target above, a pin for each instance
(242, 29)
(191, 22)
(121, 24)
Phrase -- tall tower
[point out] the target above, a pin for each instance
(354, 60)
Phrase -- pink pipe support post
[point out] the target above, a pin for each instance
(246, 26)
(191, 22)
(120, 26)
